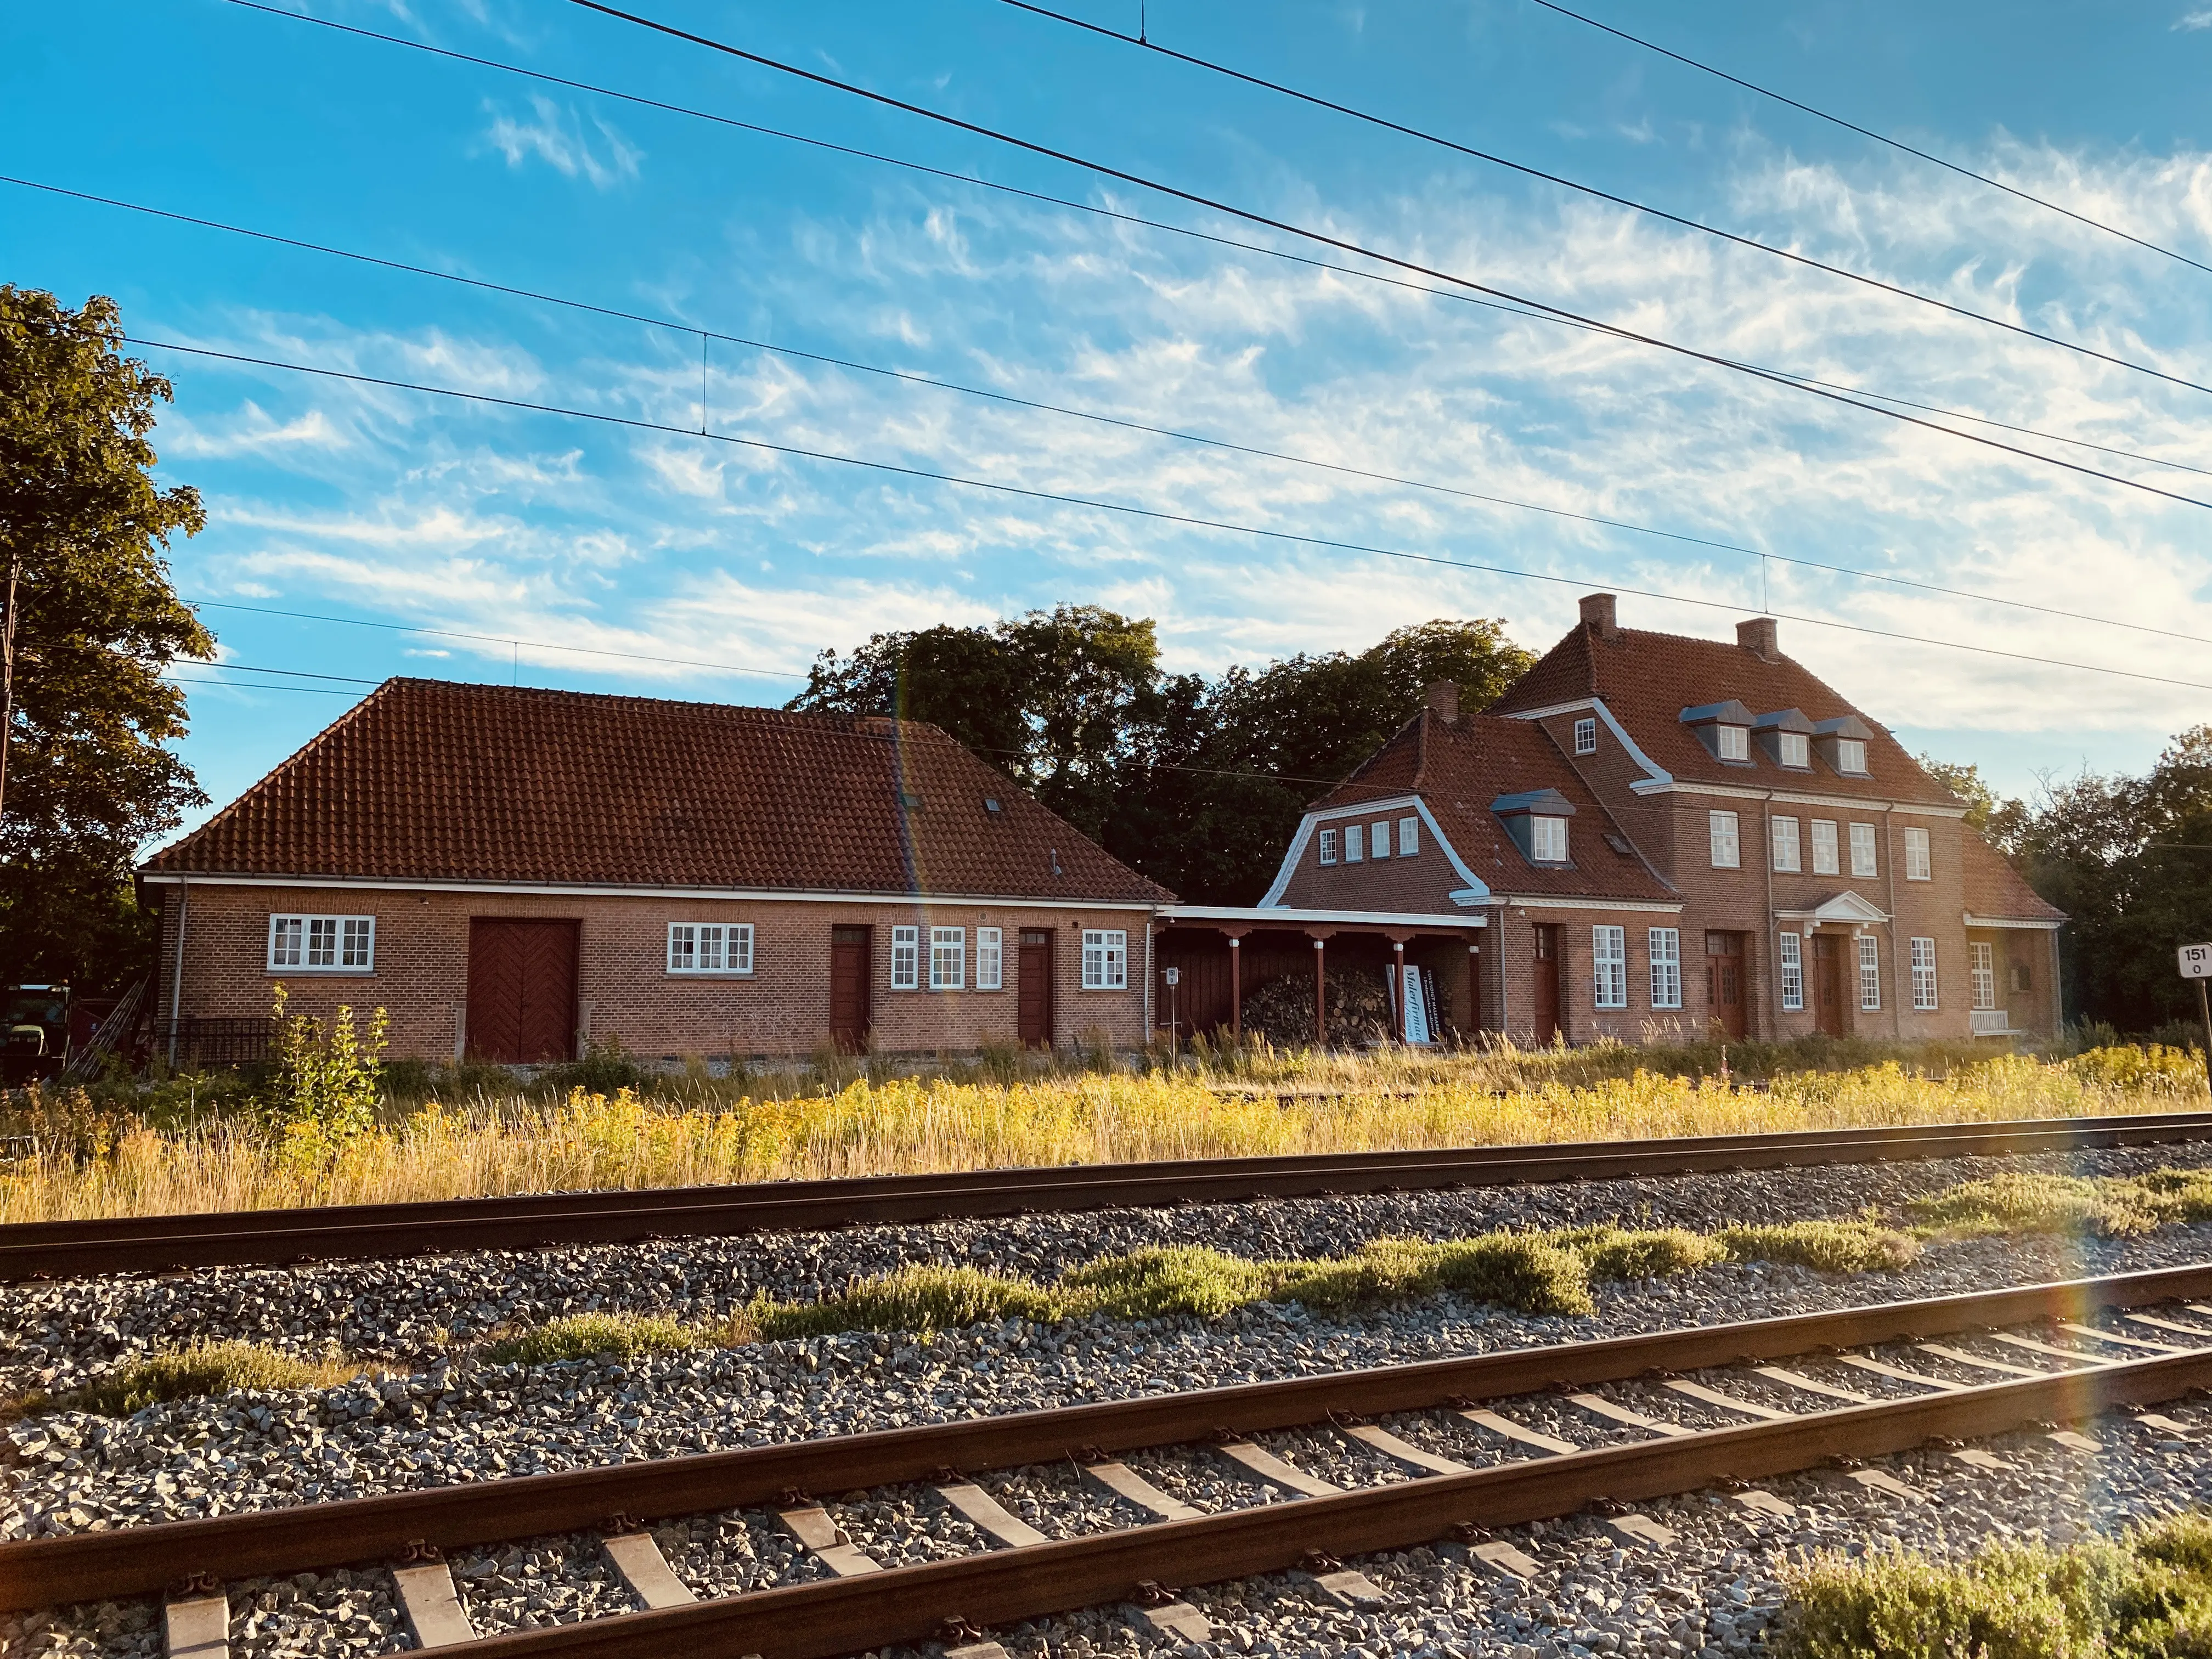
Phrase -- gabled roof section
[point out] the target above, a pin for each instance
(1465, 765)
(1994, 888)
(426, 780)
(1648, 680)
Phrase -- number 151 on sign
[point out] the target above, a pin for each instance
(2197, 961)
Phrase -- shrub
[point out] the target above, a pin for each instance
(1185, 1279)
(205, 1368)
(323, 1089)
(1614, 1252)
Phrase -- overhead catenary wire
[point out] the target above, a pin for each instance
(1122, 423)
(1130, 510)
(1899, 144)
(1460, 295)
(1681, 220)
(1250, 216)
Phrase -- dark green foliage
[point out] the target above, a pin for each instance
(92, 770)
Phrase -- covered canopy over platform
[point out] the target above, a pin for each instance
(1210, 962)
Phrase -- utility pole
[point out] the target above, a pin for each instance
(8, 671)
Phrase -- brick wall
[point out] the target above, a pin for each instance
(1422, 883)
(624, 991)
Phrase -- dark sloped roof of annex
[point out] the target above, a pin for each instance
(1648, 679)
(1994, 888)
(428, 780)
(1459, 767)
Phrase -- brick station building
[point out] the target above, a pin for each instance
(1658, 835)
(513, 873)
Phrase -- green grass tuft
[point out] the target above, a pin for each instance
(589, 1336)
(2018, 1203)
(1828, 1247)
(916, 1298)
(2148, 1595)
(1181, 1279)
(1660, 1253)
(205, 1368)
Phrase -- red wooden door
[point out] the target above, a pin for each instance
(522, 990)
(1033, 989)
(1724, 983)
(1828, 1015)
(1544, 1021)
(851, 977)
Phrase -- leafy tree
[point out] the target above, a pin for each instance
(89, 775)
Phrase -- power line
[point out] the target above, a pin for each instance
(315, 690)
(1250, 216)
(1868, 132)
(935, 384)
(1154, 514)
(1522, 168)
(455, 633)
(1477, 298)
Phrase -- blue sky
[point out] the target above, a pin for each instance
(351, 501)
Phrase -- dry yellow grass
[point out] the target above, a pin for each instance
(1329, 1104)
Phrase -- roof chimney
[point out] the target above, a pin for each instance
(1444, 701)
(1597, 612)
(1757, 636)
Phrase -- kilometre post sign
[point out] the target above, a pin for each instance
(2197, 961)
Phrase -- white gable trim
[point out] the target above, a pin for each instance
(1547, 901)
(1274, 897)
(1846, 907)
(1974, 920)
(1654, 776)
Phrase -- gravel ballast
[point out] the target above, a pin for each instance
(450, 1418)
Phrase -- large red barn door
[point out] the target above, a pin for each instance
(522, 990)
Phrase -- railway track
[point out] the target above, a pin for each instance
(1445, 1449)
(57, 1250)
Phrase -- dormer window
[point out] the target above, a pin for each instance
(1787, 738)
(1842, 745)
(1537, 821)
(1796, 749)
(1725, 729)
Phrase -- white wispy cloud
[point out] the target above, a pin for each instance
(2194, 19)
(557, 136)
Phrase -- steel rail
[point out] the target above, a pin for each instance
(58, 1250)
(140, 1560)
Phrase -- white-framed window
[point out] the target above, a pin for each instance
(1792, 958)
(1732, 742)
(1924, 973)
(322, 945)
(1586, 736)
(1105, 959)
(1796, 749)
(1784, 831)
(1823, 847)
(1862, 859)
(1378, 838)
(948, 958)
(1547, 840)
(1727, 841)
(1917, 866)
(1869, 972)
(1355, 844)
(1328, 847)
(1610, 965)
(1850, 755)
(1409, 837)
(990, 959)
(906, 958)
(1666, 948)
(710, 947)
(1985, 974)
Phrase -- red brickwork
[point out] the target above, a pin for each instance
(624, 991)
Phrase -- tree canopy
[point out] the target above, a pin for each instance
(1196, 782)
(90, 775)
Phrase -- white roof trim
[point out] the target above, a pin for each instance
(740, 895)
(1547, 902)
(1655, 776)
(1285, 915)
(1846, 906)
(1796, 798)
(1294, 855)
(1974, 920)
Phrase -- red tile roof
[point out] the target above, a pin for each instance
(1994, 888)
(1460, 767)
(1646, 680)
(430, 780)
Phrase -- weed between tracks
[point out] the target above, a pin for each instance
(2145, 1596)
(164, 1151)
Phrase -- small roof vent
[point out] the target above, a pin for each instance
(909, 800)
